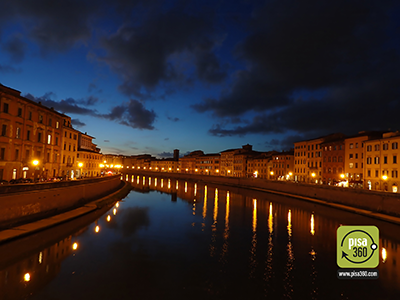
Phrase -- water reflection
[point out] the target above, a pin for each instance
(249, 245)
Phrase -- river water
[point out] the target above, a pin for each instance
(171, 239)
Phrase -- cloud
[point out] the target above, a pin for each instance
(77, 123)
(16, 48)
(67, 106)
(339, 52)
(133, 114)
(9, 69)
(173, 119)
(144, 55)
(165, 155)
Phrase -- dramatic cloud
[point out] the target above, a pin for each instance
(16, 47)
(340, 49)
(165, 155)
(145, 55)
(8, 69)
(68, 106)
(77, 123)
(133, 114)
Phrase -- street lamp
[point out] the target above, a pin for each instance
(384, 177)
(80, 165)
(36, 164)
(272, 174)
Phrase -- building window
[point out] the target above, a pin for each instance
(376, 147)
(369, 160)
(40, 119)
(385, 146)
(351, 155)
(351, 165)
(376, 160)
(369, 173)
(50, 122)
(376, 173)
(30, 116)
(18, 133)
(4, 130)
(56, 140)
(351, 146)
(57, 124)
(2, 153)
(394, 145)
(395, 159)
(48, 139)
(16, 154)
(356, 145)
(385, 160)
(19, 114)
(5, 107)
(369, 148)
(39, 137)
(28, 135)
(356, 155)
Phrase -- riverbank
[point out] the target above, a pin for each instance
(51, 221)
(25, 203)
(380, 205)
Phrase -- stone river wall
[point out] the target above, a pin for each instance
(382, 202)
(28, 202)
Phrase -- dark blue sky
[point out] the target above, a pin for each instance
(151, 76)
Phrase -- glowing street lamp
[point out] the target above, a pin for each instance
(80, 165)
(35, 162)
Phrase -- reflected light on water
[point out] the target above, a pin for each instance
(169, 183)
(27, 277)
(74, 246)
(205, 202)
(195, 189)
(114, 211)
(108, 218)
(155, 182)
(185, 187)
(254, 215)
(40, 257)
(177, 186)
(312, 224)
(97, 229)
(117, 204)
(215, 215)
(384, 255)
(162, 183)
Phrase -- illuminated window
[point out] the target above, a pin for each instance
(48, 139)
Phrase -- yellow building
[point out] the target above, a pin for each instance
(381, 162)
(260, 166)
(208, 164)
(69, 150)
(354, 157)
(283, 165)
(30, 139)
(234, 161)
(89, 159)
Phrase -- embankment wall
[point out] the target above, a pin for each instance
(28, 202)
(383, 202)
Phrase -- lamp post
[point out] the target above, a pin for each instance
(313, 176)
(272, 174)
(384, 177)
(80, 165)
(35, 162)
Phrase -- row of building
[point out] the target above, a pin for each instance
(365, 160)
(38, 142)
